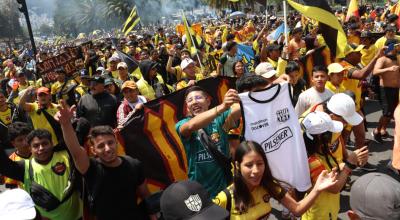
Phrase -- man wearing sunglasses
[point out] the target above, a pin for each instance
(98, 107)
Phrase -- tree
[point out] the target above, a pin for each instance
(118, 8)
(9, 21)
(90, 13)
(45, 29)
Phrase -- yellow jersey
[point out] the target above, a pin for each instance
(327, 205)
(260, 209)
(353, 85)
(5, 117)
(329, 86)
(381, 41)
(39, 120)
(368, 54)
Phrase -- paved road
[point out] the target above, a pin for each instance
(379, 155)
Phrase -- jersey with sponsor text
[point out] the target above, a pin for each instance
(270, 120)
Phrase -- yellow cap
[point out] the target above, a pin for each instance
(350, 48)
(335, 68)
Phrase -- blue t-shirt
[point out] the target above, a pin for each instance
(202, 167)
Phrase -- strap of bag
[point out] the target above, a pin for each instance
(212, 149)
(228, 199)
(54, 124)
(70, 186)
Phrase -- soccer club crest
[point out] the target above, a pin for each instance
(193, 203)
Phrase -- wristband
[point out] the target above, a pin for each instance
(349, 165)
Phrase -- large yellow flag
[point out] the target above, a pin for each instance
(330, 27)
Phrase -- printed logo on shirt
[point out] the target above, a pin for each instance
(283, 115)
(259, 124)
(334, 146)
(203, 156)
(193, 203)
(59, 168)
(275, 141)
(215, 137)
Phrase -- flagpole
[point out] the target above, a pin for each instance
(285, 21)
(191, 38)
(266, 13)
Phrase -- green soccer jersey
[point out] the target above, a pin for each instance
(202, 167)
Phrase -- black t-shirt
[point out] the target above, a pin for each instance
(116, 195)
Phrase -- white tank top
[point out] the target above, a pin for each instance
(270, 120)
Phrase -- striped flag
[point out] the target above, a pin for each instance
(353, 10)
(132, 21)
(191, 36)
(330, 27)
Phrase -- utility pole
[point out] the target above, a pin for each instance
(24, 9)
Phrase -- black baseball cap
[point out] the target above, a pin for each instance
(98, 79)
(189, 200)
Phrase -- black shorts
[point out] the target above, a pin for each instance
(389, 98)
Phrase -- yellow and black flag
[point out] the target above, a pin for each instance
(190, 36)
(132, 21)
(329, 25)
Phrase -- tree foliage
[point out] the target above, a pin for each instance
(9, 21)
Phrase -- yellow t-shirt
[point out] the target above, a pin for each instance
(115, 74)
(182, 84)
(22, 87)
(333, 88)
(181, 75)
(40, 121)
(327, 205)
(5, 117)
(381, 41)
(367, 55)
(279, 65)
(260, 209)
(351, 84)
(82, 89)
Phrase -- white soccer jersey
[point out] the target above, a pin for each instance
(270, 120)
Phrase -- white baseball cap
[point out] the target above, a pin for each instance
(114, 59)
(265, 70)
(123, 65)
(319, 122)
(344, 106)
(186, 62)
(16, 204)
